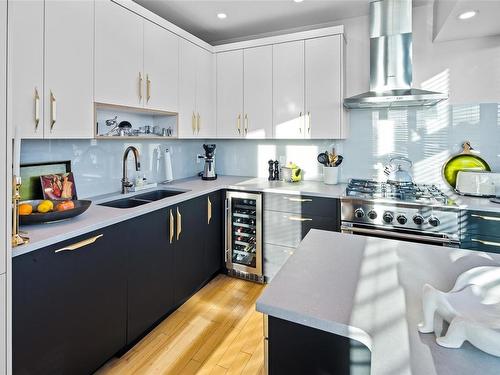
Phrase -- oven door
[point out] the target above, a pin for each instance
(402, 235)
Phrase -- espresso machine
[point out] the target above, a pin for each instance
(209, 169)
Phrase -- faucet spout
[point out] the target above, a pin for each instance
(126, 184)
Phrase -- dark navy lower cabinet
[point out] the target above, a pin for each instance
(480, 231)
(70, 303)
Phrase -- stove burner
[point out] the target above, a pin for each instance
(408, 192)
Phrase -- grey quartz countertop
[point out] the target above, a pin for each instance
(98, 217)
(369, 289)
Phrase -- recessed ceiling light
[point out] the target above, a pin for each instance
(468, 14)
(298, 1)
(221, 16)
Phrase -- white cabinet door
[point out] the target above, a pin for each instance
(119, 55)
(230, 94)
(288, 89)
(258, 92)
(205, 95)
(324, 87)
(4, 140)
(161, 68)
(26, 67)
(188, 54)
(69, 46)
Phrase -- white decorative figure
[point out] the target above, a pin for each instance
(472, 308)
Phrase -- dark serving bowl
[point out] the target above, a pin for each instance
(38, 218)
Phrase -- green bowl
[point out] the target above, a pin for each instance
(463, 162)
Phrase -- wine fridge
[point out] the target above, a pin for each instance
(243, 240)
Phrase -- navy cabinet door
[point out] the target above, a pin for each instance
(214, 235)
(69, 306)
(150, 271)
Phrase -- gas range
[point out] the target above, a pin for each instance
(414, 212)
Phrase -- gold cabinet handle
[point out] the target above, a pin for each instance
(78, 245)
(140, 86)
(148, 88)
(193, 123)
(179, 224)
(489, 218)
(53, 111)
(299, 218)
(300, 128)
(292, 199)
(171, 223)
(238, 123)
(489, 243)
(37, 109)
(209, 210)
(308, 122)
(198, 123)
(246, 124)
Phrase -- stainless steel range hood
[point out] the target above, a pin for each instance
(391, 60)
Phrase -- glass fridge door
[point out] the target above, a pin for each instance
(244, 231)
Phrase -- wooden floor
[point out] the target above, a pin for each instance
(217, 331)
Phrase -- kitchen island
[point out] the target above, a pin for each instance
(369, 290)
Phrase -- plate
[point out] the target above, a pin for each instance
(38, 218)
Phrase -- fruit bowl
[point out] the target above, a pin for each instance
(38, 218)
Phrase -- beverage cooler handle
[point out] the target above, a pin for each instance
(226, 242)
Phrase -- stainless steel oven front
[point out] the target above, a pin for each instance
(243, 237)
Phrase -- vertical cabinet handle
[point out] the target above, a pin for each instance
(171, 224)
(308, 122)
(193, 123)
(209, 210)
(148, 88)
(198, 123)
(37, 109)
(226, 229)
(300, 127)
(238, 123)
(53, 110)
(140, 86)
(179, 224)
(78, 245)
(246, 124)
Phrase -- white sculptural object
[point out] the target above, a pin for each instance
(472, 308)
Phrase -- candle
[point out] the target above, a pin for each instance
(16, 160)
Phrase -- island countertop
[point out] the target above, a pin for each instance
(369, 289)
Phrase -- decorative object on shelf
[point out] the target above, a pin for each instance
(472, 307)
(291, 173)
(464, 161)
(59, 186)
(47, 211)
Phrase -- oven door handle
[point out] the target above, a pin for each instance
(403, 236)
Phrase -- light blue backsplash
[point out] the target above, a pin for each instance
(428, 136)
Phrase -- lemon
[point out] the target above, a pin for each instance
(45, 206)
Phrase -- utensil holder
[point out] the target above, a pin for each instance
(331, 175)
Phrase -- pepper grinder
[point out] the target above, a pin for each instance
(276, 170)
(271, 175)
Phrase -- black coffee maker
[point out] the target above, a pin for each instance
(209, 169)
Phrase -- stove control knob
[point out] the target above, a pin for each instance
(434, 221)
(372, 214)
(418, 219)
(388, 217)
(402, 219)
(359, 213)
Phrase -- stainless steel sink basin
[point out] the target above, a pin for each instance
(140, 199)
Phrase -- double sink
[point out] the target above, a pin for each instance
(140, 199)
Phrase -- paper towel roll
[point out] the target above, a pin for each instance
(168, 166)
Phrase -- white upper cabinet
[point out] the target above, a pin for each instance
(196, 92)
(26, 67)
(205, 94)
(119, 56)
(161, 68)
(230, 117)
(288, 90)
(258, 92)
(324, 88)
(68, 93)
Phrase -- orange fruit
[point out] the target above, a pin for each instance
(25, 209)
(64, 206)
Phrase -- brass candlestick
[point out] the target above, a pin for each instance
(17, 239)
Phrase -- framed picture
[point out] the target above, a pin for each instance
(59, 186)
(31, 187)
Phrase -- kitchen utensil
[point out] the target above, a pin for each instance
(464, 161)
(38, 218)
(395, 172)
(270, 170)
(324, 159)
(479, 184)
(339, 160)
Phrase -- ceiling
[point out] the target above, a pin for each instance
(246, 18)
